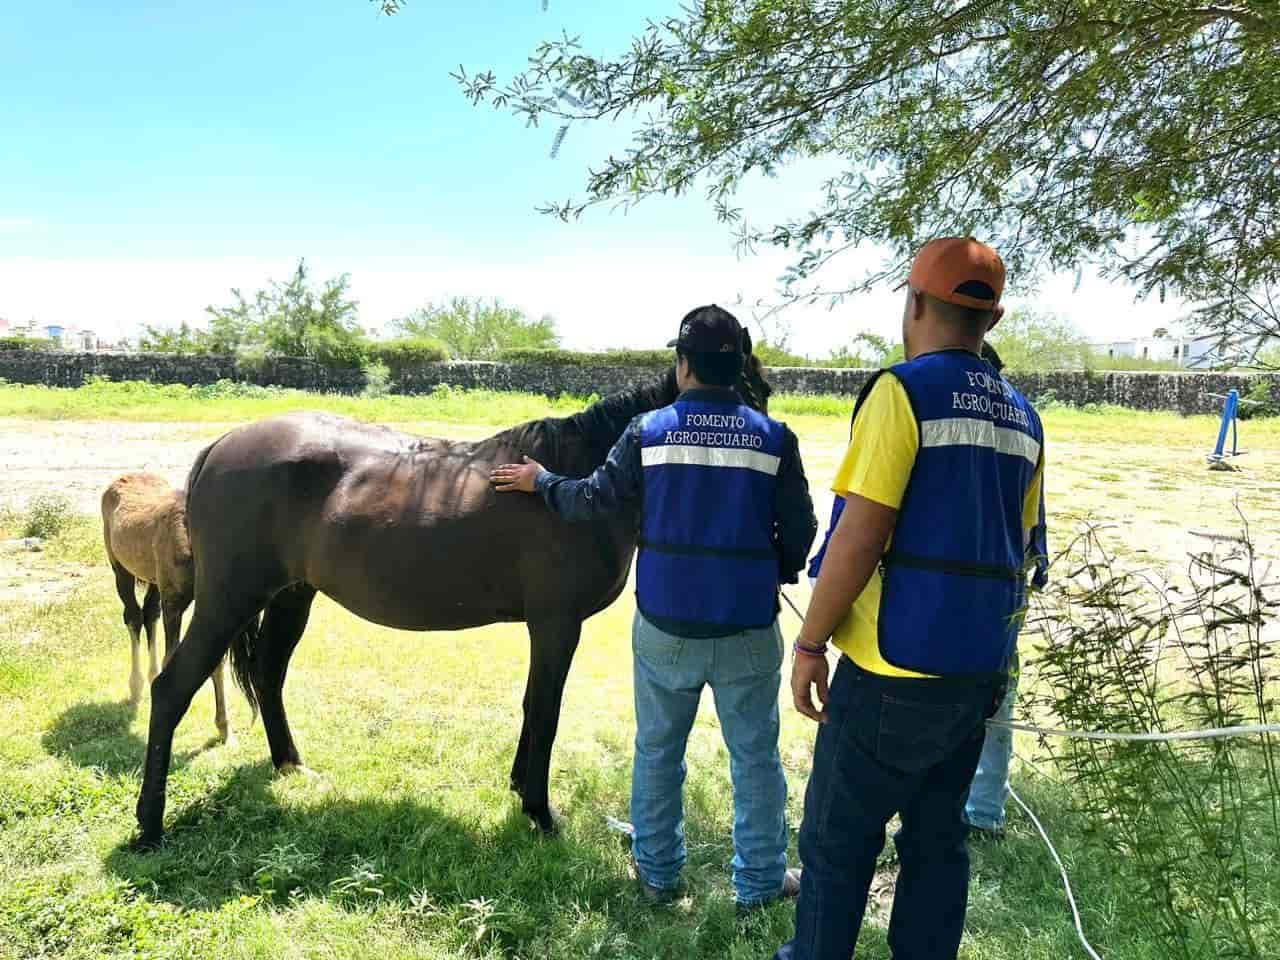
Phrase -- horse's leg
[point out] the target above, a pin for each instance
(133, 620)
(282, 627)
(552, 645)
(520, 767)
(205, 644)
(150, 615)
(173, 603)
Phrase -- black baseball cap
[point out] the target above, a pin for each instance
(709, 329)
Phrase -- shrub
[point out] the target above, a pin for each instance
(1126, 650)
(477, 329)
(1262, 399)
(377, 379)
(775, 356)
(34, 344)
(570, 358)
(405, 352)
(47, 516)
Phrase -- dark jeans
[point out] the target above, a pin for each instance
(890, 746)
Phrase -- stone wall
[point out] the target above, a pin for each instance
(1181, 392)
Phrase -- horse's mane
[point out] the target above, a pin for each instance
(578, 444)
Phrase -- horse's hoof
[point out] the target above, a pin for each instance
(147, 841)
(226, 737)
(547, 821)
(297, 770)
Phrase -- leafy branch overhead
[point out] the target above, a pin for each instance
(1143, 137)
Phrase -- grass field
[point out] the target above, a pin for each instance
(409, 845)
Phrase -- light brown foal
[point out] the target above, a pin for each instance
(144, 527)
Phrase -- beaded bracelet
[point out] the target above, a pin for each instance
(809, 651)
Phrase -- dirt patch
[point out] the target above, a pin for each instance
(78, 459)
(31, 578)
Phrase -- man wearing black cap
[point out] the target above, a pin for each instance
(725, 518)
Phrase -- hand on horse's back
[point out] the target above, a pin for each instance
(516, 477)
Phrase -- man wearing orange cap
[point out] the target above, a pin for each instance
(921, 590)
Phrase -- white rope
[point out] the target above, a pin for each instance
(1215, 733)
(1066, 882)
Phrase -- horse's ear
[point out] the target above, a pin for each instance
(746, 341)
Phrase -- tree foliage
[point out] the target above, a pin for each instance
(866, 351)
(1029, 340)
(292, 319)
(477, 329)
(1140, 137)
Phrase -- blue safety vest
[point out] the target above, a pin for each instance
(707, 560)
(953, 579)
(1037, 551)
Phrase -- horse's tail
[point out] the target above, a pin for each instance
(244, 650)
(244, 646)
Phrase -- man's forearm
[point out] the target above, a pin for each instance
(566, 497)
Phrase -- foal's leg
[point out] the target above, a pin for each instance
(150, 614)
(221, 719)
(282, 628)
(132, 620)
(552, 645)
(206, 643)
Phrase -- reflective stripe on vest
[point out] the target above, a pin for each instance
(706, 534)
(953, 589)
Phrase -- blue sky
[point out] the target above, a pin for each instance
(155, 154)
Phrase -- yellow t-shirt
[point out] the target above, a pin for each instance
(877, 466)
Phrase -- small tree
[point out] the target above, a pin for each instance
(475, 329)
(291, 319)
(167, 340)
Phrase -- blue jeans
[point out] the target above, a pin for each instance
(989, 791)
(743, 673)
(890, 746)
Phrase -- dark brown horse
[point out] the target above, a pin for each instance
(402, 531)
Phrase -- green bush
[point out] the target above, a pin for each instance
(47, 516)
(26, 343)
(377, 379)
(1263, 400)
(570, 358)
(408, 352)
(773, 356)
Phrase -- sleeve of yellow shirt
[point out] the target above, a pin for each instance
(883, 447)
(1031, 505)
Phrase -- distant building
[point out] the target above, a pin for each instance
(1190, 352)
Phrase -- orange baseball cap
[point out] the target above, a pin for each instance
(959, 270)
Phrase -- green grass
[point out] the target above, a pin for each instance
(410, 845)
(229, 402)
